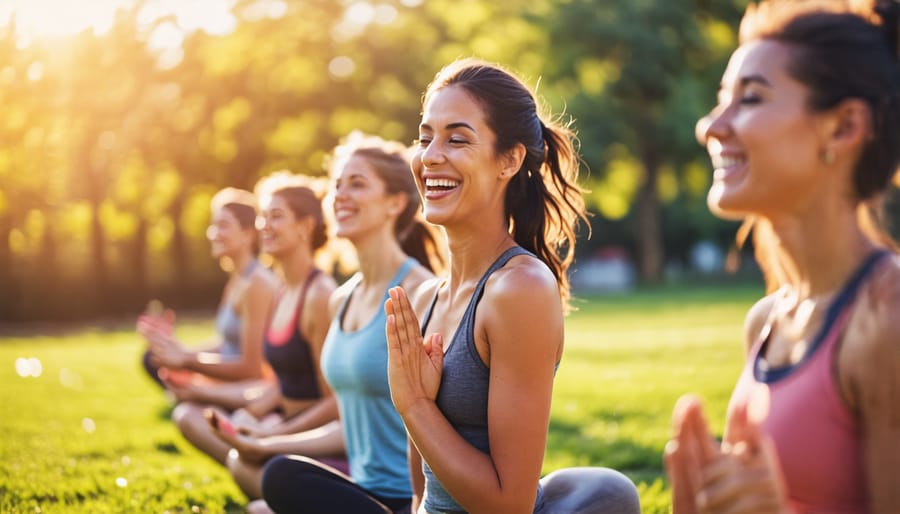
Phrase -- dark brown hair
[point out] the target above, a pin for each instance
(543, 200)
(390, 160)
(838, 51)
(303, 201)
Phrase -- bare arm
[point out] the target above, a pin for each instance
(416, 476)
(874, 387)
(255, 306)
(524, 340)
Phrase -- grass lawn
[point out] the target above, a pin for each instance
(92, 434)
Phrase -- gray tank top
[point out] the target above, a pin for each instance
(228, 323)
(463, 394)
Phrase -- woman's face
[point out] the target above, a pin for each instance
(281, 231)
(455, 165)
(226, 236)
(362, 205)
(764, 142)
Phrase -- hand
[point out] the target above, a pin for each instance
(747, 477)
(157, 319)
(414, 366)
(248, 447)
(688, 453)
(165, 351)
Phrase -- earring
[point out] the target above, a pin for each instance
(828, 156)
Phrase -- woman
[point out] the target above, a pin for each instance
(227, 372)
(376, 207)
(804, 144)
(293, 230)
(501, 181)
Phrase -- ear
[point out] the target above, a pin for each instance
(307, 224)
(511, 161)
(396, 203)
(848, 126)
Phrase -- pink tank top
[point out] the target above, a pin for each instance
(817, 437)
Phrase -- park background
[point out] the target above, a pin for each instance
(120, 118)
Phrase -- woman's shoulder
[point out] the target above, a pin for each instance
(757, 317)
(341, 292)
(523, 277)
(322, 285)
(870, 353)
(261, 283)
(523, 274)
(877, 314)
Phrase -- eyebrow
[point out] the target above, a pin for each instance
(750, 79)
(451, 126)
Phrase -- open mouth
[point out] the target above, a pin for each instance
(440, 185)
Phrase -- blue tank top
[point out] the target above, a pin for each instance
(355, 365)
(290, 356)
(228, 323)
(463, 394)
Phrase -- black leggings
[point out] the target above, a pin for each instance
(295, 484)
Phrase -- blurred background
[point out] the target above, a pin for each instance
(120, 118)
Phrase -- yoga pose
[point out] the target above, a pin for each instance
(377, 208)
(804, 142)
(228, 372)
(475, 396)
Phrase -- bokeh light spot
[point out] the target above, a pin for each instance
(88, 425)
(341, 67)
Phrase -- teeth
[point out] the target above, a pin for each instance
(726, 161)
(441, 182)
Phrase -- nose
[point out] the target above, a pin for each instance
(715, 125)
(701, 128)
(432, 154)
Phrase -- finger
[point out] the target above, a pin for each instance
(674, 463)
(393, 338)
(405, 318)
(434, 348)
(723, 482)
(411, 323)
(695, 427)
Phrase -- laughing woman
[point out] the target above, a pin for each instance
(804, 141)
(475, 398)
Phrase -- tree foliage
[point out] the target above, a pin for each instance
(112, 142)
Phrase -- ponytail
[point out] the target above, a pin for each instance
(420, 242)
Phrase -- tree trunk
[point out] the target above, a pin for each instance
(180, 251)
(649, 237)
(99, 265)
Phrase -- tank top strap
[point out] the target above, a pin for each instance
(354, 281)
(497, 264)
(836, 318)
(845, 297)
(302, 300)
(249, 268)
(430, 311)
(468, 320)
(404, 270)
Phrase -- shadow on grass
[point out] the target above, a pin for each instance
(622, 453)
(168, 447)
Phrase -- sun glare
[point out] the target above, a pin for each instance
(56, 18)
(60, 18)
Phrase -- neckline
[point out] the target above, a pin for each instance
(843, 300)
(477, 293)
(398, 277)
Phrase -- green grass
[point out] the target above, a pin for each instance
(92, 433)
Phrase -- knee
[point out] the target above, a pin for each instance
(275, 481)
(186, 414)
(623, 491)
(233, 462)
